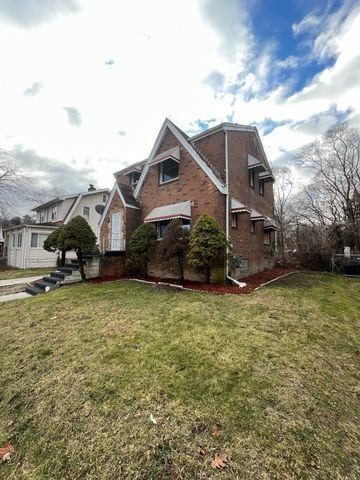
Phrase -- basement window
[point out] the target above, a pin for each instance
(169, 170)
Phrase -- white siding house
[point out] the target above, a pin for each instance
(25, 246)
(24, 243)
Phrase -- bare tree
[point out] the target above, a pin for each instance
(282, 192)
(12, 183)
(42, 195)
(332, 197)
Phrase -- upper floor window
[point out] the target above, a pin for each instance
(104, 198)
(252, 177)
(261, 186)
(253, 226)
(42, 216)
(169, 170)
(86, 212)
(234, 220)
(134, 178)
(267, 238)
(54, 213)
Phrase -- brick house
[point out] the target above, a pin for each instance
(223, 172)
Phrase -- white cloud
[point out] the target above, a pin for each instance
(31, 13)
(33, 90)
(74, 117)
(306, 25)
(161, 59)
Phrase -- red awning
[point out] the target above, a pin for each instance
(238, 207)
(173, 153)
(169, 212)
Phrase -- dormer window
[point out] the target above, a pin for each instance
(169, 170)
(42, 216)
(134, 178)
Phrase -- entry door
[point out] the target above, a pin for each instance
(115, 231)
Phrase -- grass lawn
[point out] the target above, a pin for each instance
(29, 272)
(274, 375)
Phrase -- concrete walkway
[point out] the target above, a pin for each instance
(14, 296)
(19, 281)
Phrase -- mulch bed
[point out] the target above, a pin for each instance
(252, 281)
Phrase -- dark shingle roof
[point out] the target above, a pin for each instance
(47, 204)
(128, 194)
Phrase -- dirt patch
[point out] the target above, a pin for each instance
(252, 281)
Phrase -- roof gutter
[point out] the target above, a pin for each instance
(227, 193)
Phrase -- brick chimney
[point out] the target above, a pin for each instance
(91, 188)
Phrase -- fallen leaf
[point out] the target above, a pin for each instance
(11, 423)
(6, 451)
(201, 451)
(357, 352)
(152, 419)
(216, 433)
(220, 460)
(53, 318)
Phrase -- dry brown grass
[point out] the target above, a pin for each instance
(275, 372)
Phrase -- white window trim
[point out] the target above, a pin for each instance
(161, 166)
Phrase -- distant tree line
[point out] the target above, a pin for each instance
(323, 216)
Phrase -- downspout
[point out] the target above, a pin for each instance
(239, 284)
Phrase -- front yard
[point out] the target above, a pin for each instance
(128, 381)
(29, 272)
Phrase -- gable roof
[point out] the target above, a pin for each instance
(134, 167)
(78, 199)
(233, 127)
(125, 193)
(128, 195)
(54, 201)
(184, 142)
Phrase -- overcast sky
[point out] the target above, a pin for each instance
(86, 85)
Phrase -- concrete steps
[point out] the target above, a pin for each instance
(70, 273)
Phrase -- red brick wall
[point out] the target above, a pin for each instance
(112, 266)
(193, 184)
(130, 220)
(212, 147)
(246, 244)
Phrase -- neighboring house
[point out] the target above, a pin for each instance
(24, 243)
(223, 172)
